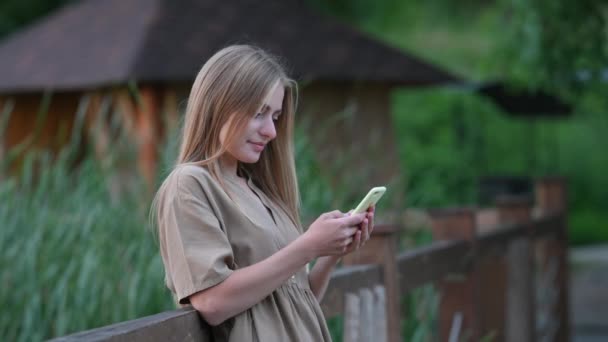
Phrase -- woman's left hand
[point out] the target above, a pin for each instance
(364, 232)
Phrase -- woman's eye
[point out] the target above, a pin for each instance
(258, 115)
(275, 118)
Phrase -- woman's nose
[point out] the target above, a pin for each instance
(268, 130)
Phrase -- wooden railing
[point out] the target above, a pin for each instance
(500, 272)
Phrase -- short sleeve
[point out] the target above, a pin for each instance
(195, 250)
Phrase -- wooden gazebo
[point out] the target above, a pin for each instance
(137, 58)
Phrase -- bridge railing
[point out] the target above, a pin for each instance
(501, 272)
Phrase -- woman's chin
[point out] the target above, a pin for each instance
(251, 159)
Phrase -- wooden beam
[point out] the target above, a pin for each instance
(171, 111)
(352, 318)
(521, 299)
(381, 249)
(178, 325)
(459, 292)
(6, 109)
(148, 128)
(551, 198)
(348, 280)
(429, 263)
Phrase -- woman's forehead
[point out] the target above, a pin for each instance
(274, 98)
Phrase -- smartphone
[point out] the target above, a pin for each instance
(370, 199)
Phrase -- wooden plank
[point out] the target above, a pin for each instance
(177, 325)
(126, 109)
(366, 309)
(171, 115)
(352, 318)
(148, 128)
(486, 220)
(521, 299)
(496, 242)
(492, 270)
(549, 225)
(551, 196)
(430, 263)
(345, 280)
(459, 293)
(455, 328)
(6, 109)
(382, 249)
(379, 321)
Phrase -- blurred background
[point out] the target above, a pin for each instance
(449, 101)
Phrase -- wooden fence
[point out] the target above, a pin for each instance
(501, 273)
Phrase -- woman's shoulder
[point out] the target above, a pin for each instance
(189, 178)
(190, 171)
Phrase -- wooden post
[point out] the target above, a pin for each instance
(148, 127)
(382, 249)
(492, 270)
(366, 328)
(352, 317)
(98, 131)
(551, 197)
(521, 299)
(171, 111)
(142, 119)
(379, 319)
(126, 109)
(6, 109)
(458, 292)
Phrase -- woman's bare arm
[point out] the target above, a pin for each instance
(320, 273)
(249, 285)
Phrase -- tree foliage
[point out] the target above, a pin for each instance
(561, 45)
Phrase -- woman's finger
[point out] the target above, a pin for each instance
(365, 231)
(333, 214)
(355, 244)
(370, 223)
(352, 220)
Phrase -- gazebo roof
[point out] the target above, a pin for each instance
(96, 43)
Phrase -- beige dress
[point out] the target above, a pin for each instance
(205, 235)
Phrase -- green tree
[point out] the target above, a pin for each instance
(559, 45)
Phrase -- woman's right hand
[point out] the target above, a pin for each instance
(332, 232)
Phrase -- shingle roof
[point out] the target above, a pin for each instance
(102, 42)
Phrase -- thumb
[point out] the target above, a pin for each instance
(353, 219)
(333, 215)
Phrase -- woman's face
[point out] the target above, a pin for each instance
(259, 131)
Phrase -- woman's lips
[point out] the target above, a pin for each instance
(258, 147)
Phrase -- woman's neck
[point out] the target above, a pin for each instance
(229, 165)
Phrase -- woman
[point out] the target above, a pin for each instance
(230, 237)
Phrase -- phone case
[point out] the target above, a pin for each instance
(370, 199)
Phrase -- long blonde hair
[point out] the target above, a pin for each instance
(229, 89)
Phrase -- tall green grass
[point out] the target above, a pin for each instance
(71, 258)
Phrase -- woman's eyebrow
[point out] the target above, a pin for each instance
(266, 107)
